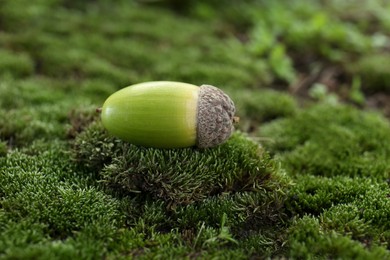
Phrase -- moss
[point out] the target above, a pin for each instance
(313, 195)
(16, 64)
(338, 157)
(40, 191)
(316, 186)
(190, 190)
(80, 118)
(331, 140)
(308, 240)
(22, 126)
(344, 204)
(54, 203)
(374, 70)
(202, 172)
(255, 107)
(135, 53)
(33, 91)
(3, 148)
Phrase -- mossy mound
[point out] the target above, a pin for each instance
(177, 176)
(192, 190)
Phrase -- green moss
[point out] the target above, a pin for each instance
(16, 64)
(3, 148)
(97, 44)
(331, 140)
(364, 198)
(374, 70)
(201, 172)
(68, 190)
(40, 191)
(308, 240)
(33, 91)
(313, 195)
(190, 190)
(23, 126)
(255, 107)
(80, 118)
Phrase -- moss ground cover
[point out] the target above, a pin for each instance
(306, 174)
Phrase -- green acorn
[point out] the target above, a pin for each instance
(165, 114)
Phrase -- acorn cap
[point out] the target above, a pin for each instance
(215, 117)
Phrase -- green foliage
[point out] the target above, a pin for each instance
(281, 64)
(297, 36)
(209, 196)
(313, 31)
(331, 140)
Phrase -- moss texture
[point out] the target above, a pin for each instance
(305, 176)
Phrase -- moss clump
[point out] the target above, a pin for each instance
(357, 208)
(210, 196)
(15, 64)
(81, 118)
(331, 140)
(307, 239)
(177, 176)
(43, 203)
(147, 217)
(23, 126)
(374, 70)
(3, 148)
(258, 106)
(29, 92)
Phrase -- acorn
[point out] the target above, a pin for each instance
(166, 114)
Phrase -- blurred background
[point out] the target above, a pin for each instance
(263, 53)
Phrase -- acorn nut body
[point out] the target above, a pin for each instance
(166, 114)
